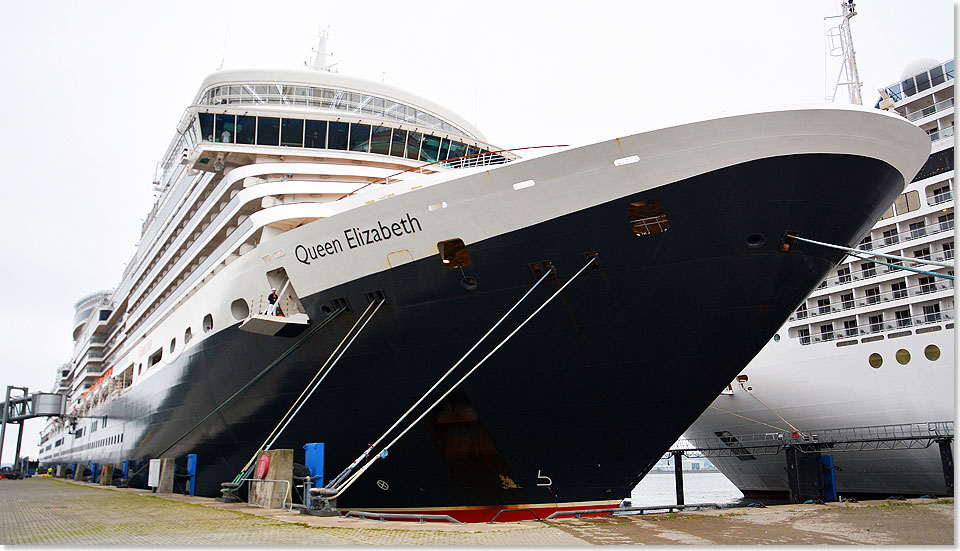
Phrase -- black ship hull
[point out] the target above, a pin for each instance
(577, 406)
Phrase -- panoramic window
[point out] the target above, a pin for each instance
(380, 140)
(337, 136)
(647, 217)
(429, 147)
(399, 139)
(359, 137)
(291, 132)
(246, 130)
(206, 126)
(268, 131)
(453, 253)
(315, 135)
(413, 145)
(225, 128)
(444, 149)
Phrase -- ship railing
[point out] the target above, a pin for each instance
(871, 300)
(927, 111)
(941, 134)
(875, 271)
(487, 158)
(878, 437)
(940, 198)
(919, 320)
(911, 234)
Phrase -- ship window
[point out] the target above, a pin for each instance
(936, 75)
(291, 132)
(876, 360)
(380, 141)
(413, 145)
(909, 88)
(154, 358)
(225, 127)
(239, 309)
(647, 217)
(903, 356)
(399, 138)
(359, 137)
(316, 134)
(173, 344)
(428, 150)
(472, 150)
(923, 82)
(932, 352)
(444, 149)
(206, 126)
(337, 138)
(187, 336)
(457, 150)
(207, 323)
(268, 131)
(246, 129)
(453, 253)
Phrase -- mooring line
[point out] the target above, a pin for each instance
(352, 479)
(860, 254)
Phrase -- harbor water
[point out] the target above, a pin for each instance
(661, 489)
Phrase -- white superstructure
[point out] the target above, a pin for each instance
(873, 344)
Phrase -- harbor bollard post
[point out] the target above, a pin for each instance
(192, 471)
(829, 478)
(106, 478)
(946, 460)
(678, 474)
(78, 471)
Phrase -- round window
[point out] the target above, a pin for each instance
(903, 356)
(776, 338)
(207, 323)
(239, 309)
(187, 336)
(876, 360)
(932, 352)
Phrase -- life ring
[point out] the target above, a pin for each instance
(262, 466)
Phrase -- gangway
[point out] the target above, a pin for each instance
(17, 409)
(814, 442)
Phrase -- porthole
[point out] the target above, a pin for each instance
(240, 309)
(207, 323)
(903, 356)
(754, 240)
(187, 336)
(932, 352)
(173, 344)
(776, 338)
(876, 360)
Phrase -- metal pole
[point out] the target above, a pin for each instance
(3, 426)
(946, 459)
(678, 474)
(16, 456)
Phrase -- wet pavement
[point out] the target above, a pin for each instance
(49, 511)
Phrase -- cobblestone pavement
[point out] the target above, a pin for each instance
(49, 511)
(56, 512)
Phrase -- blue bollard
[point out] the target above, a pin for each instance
(314, 461)
(126, 469)
(93, 472)
(192, 471)
(829, 478)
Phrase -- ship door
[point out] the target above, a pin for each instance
(288, 301)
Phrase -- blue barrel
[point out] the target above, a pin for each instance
(314, 461)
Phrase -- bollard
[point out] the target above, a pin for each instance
(93, 472)
(829, 478)
(192, 471)
(78, 472)
(106, 479)
(167, 472)
(126, 469)
(314, 461)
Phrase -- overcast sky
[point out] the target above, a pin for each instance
(92, 92)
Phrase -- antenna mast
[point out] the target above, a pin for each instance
(845, 50)
(319, 62)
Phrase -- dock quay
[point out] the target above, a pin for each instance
(50, 511)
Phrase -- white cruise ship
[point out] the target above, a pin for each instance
(398, 240)
(873, 345)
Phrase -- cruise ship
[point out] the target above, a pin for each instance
(873, 347)
(398, 240)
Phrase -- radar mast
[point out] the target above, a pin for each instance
(319, 62)
(840, 44)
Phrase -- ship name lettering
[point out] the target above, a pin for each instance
(320, 250)
(358, 237)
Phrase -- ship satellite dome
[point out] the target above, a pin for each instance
(918, 66)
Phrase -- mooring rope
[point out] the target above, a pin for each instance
(355, 476)
(300, 401)
(749, 419)
(250, 383)
(336, 480)
(861, 255)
